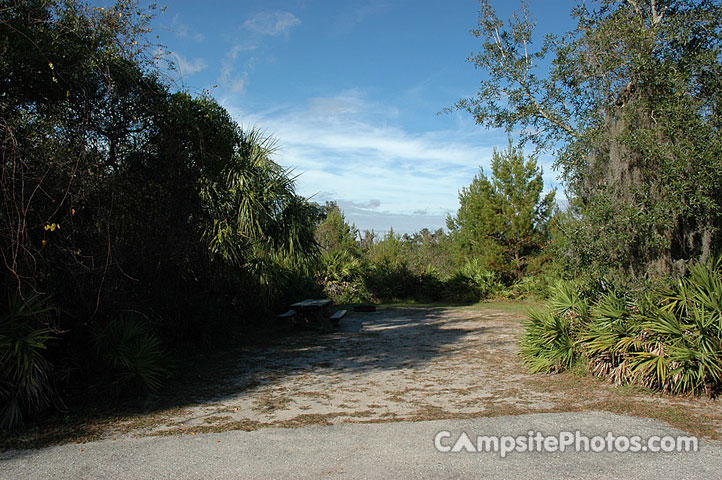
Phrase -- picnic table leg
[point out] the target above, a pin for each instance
(324, 323)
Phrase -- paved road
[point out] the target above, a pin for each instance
(379, 450)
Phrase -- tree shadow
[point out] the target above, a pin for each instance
(389, 339)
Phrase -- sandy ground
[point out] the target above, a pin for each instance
(405, 364)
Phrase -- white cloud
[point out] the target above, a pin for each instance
(237, 49)
(238, 63)
(184, 31)
(188, 67)
(272, 23)
(343, 149)
(233, 81)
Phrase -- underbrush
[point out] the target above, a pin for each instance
(666, 338)
(359, 282)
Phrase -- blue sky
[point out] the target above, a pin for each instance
(352, 90)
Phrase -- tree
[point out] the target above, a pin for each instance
(630, 104)
(504, 217)
(341, 269)
(131, 217)
(334, 234)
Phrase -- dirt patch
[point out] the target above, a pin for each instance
(405, 364)
(420, 364)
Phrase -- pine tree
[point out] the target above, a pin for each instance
(504, 218)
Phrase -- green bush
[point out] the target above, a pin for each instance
(539, 285)
(131, 354)
(392, 280)
(686, 330)
(473, 282)
(25, 332)
(549, 340)
(342, 273)
(341, 265)
(667, 339)
(343, 292)
(611, 338)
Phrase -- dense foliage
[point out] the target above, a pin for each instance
(630, 103)
(155, 222)
(668, 338)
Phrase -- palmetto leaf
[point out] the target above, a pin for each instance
(669, 340)
(258, 224)
(132, 352)
(652, 368)
(547, 344)
(24, 334)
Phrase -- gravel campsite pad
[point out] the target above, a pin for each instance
(403, 364)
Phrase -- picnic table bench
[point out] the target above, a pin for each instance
(314, 312)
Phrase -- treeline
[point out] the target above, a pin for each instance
(136, 222)
(497, 245)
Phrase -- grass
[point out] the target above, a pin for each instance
(508, 305)
(503, 304)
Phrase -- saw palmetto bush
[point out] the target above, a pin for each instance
(131, 354)
(613, 334)
(686, 330)
(549, 341)
(343, 276)
(25, 331)
(667, 339)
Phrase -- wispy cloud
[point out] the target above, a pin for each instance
(188, 67)
(230, 78)
(343, 149)
(272, 23)
(233, 81)
(183, 30)
(356, 14)
(240, 60)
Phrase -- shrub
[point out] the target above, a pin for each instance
(686, 328)
(348, 292)
(25, 332)
(666, 339)
(391, 280)
(342, 279)
(549, 340)
(473, 282)
(612, 335)
(539, 284)
(131, 353)
(341, 265)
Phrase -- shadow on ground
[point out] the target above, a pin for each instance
(363, 342)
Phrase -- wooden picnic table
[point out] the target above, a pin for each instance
(314, 312)
(312, 304)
